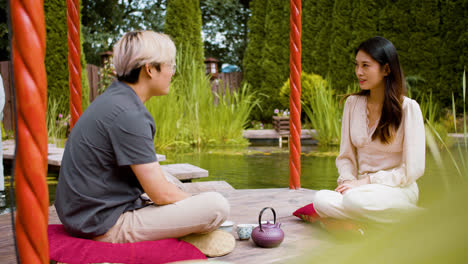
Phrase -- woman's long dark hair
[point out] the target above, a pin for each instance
(383, 51)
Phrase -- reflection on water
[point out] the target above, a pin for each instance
(256, 167)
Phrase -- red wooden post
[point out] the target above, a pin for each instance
(295, 97)
(28, 46)
(74, 64)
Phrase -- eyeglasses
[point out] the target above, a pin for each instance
(173, 66)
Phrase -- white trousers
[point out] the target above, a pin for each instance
(375, 202)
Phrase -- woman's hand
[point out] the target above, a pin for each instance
(347, 185)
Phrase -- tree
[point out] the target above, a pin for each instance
(183, 23)
(56, 60)
(253, 73)
(365, 20)
(275, 56)
(425, 45)
(311, 23)
(225, 29)
(341, 53)
(453, 48)
(323, 42)
(104, 22)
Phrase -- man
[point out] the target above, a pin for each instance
(110, 161)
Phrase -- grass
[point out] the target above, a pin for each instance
(193, 115)
(325, 114)
(57, 124)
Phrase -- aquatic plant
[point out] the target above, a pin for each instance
(57, 123)
(193, 114)
(324, 112)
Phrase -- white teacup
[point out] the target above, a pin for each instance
(227, 226)
(244, 231)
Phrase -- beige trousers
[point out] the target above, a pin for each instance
(375, 202)
(200, 213)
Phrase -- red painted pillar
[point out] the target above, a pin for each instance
(28, 47)
(295, 97)
(74, 64)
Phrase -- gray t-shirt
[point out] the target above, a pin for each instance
(96, 184)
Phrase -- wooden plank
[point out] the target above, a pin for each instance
(185, 171)
(300, 237)
(55, 154)
(208, 186)
(272, 134)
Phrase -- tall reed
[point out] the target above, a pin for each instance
(56, 126)
(189, 114)
(325, 113)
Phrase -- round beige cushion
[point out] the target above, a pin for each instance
(214, 244)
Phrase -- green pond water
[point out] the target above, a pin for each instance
(256, 167)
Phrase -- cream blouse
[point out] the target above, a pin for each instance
(397, 164)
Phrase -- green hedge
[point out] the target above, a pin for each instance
(183, 23)
(57, 57)
(430, 36)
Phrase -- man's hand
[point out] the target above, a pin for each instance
(155, 185)
(347, 185)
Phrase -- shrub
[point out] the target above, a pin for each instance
(309, 83)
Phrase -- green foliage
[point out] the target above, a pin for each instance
(56, 60)
(189, 116)
(253, 73)
(84, 73)
(275, 56)
(323, 41)
(394, 24)
(452, 53)
(227, 18)
(425, 44)
(311, 25)
(107, 76)
(324, 112)
(57, 123)
(104, 21)
(342, 52)
(309, 85)
(365, 20)
(183, 23)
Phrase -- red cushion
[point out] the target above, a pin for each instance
(307, 213)
(71, 250)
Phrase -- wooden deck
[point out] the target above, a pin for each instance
(54, 158)
(273, 134)
(246, 204)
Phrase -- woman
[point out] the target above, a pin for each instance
(382, 148)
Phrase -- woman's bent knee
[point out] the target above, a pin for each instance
(323, 201)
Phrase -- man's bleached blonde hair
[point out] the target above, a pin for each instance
(138, 48)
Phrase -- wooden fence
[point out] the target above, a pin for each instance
(232, 80)
(8, 114)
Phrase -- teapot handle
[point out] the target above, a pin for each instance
(260, 217)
